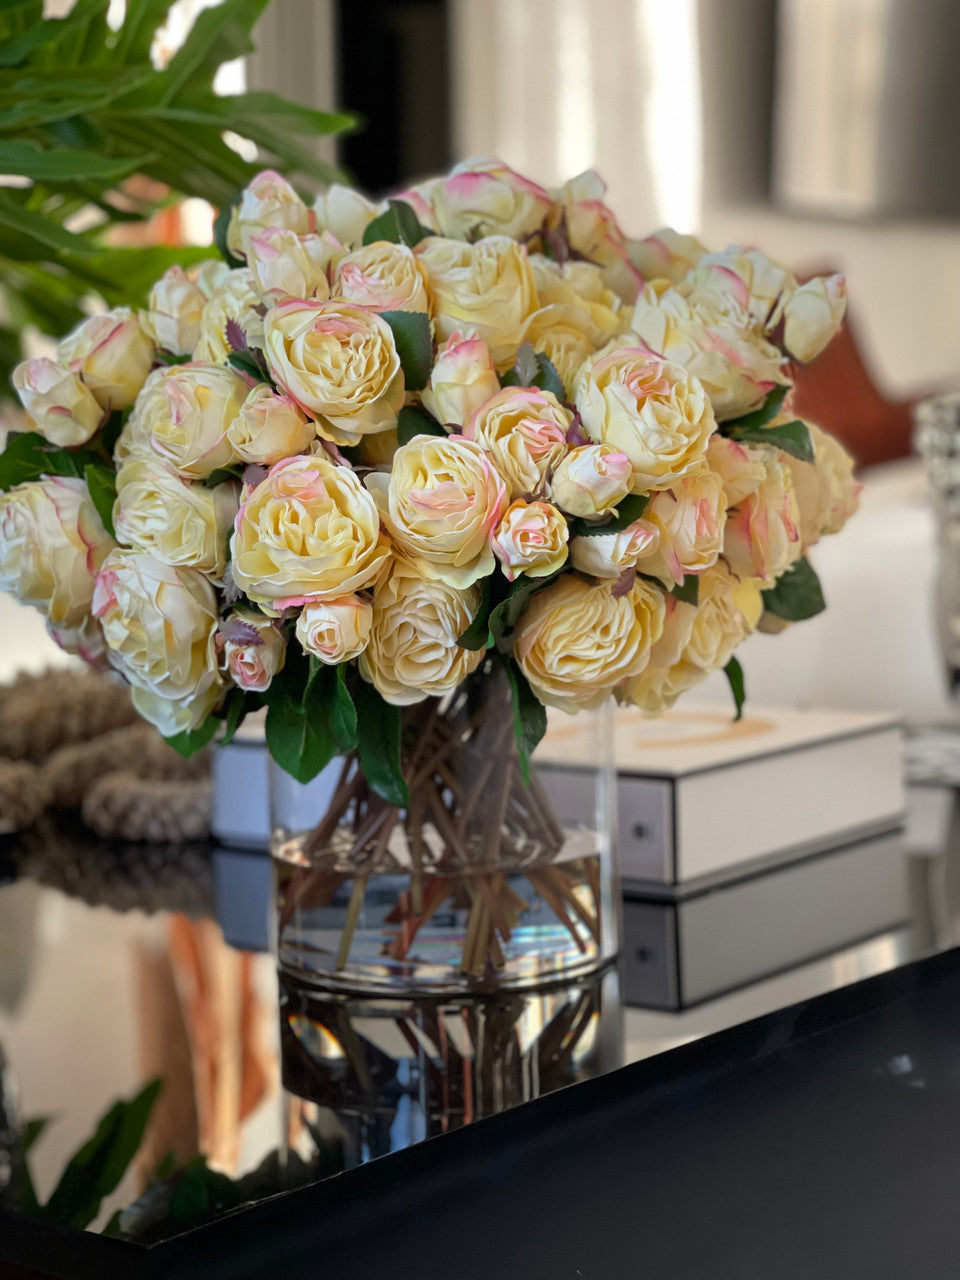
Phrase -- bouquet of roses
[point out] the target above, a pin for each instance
(376, 448)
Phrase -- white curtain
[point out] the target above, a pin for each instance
(554, 87)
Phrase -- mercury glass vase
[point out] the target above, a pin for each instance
(477, 884)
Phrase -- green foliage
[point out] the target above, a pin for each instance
(191, 741)
(760, 417)
(97, 1167)
(399, 225)
(534, 369)
(529, 716)
(379, 729)
(630, 509)
(102, 483)
(82, 108)
(310, 716)
(796, 595)
(753, 428)
(411, 333)
(688, 591)
(414, 420)
(734, 673)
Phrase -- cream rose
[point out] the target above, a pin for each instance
(665, 676)
(486, 287)
(180, 523)
(826, 491)
(339, 362)
(345, 213)
(187, 409)
(310, 529)
(112, 354)
(84, 641)
(813, 315)
(236, 299)
(462, 379)
(52, 543)
(172, 318)
(285, 265)
(665, 255)
(591, 480)
(652, 410)
(577, 641)
(61, 406)
(740, 468)
(593, 232)
(712, 336)
(486, 197)
(253, 649)
(609, 555)
(412, 651)
(728, 610)
(160, 625)
(269, 428)
(268, 201)
(524, 430)
(690, 518)
(531, 539)
(441, 503)
(384, 277)
(335, 630)
(759, 284)
(762, 538)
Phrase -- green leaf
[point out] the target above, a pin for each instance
(529, 716)
(792, 437)
(477, 635)
(32, 1131)
(248, 362)
(343, 714)
(191, 741)
(97, 1168)
(221, 475)
(201, 1193)
(547, 378)
(630, 509)
(233, 712)
(28, 457)
(734, 673)
(220, 227)
(411, 333)
(414, 420)
(399, 224)
(796, 595)
(504, 617)
(688, 590)
(379, 729)
(41, 230)
(218, 35)
(300, 740)
(760, 417)
(57, 165)
(534, 369)
(102, 483)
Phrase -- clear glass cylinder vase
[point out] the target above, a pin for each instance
(495, 875)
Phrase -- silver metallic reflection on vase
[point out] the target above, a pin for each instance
(937, 439)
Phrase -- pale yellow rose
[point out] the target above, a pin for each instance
(486, 197)
(762, 538)
(112, 354)
(309, 530)
(567, 336)
(179, 522)
(335, 630)
(486, 287)
(384, 277)
(172, 318)
(61, 406)
(761, 285)
(712, 336)
(690, 517)
(345, 213)
(160, 626)
(267, 201)
(187, 409)
(270, 427)
(377, 451)
(728, 610)
(531, 539)
(580, 284)
(339, 362)
(462, 379)
(412, 652)
(665, 676)
(591, 480)
(285, 265)
(577, 641)
(610, 555)
(253, 649)
(236, 299)
(210, 276)
(52, 543)
(665, 255)
(741, 469)
(593, 232)
(826, 491)
(654, 411)
(813, 315)
(524, 430)
(441, 504)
